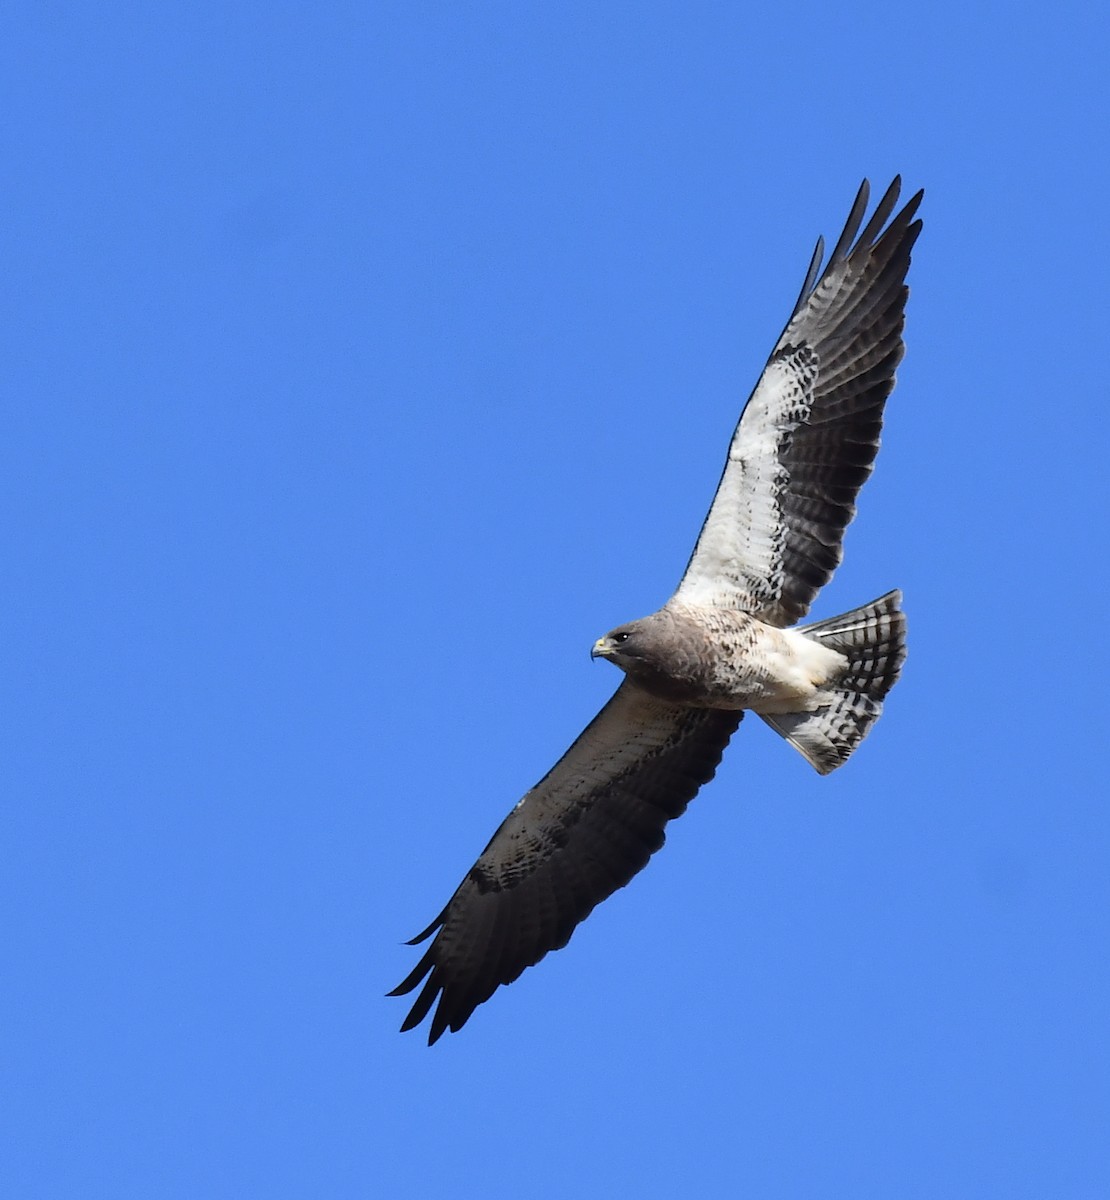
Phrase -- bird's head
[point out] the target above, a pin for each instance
(616, 644)
(661, 654)
(631, 645)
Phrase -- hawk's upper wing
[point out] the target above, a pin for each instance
(809, 433)
(582, 832)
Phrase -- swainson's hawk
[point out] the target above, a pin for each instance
(728, 640)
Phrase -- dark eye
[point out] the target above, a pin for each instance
(621, 637)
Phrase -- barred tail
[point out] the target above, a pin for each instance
(873, 639)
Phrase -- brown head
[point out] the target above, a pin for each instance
(628, 644)
(653, 652)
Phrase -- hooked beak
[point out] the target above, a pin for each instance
(602, 648)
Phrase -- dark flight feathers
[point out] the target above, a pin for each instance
(582, 832)
(853, 324)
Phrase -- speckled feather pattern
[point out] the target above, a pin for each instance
(710, 657)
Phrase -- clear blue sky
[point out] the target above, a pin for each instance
(364, 362)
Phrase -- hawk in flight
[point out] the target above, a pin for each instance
(727, 641)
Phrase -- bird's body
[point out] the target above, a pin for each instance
(726, 642)
(721, 658)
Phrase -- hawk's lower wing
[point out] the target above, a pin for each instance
(582, 832)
